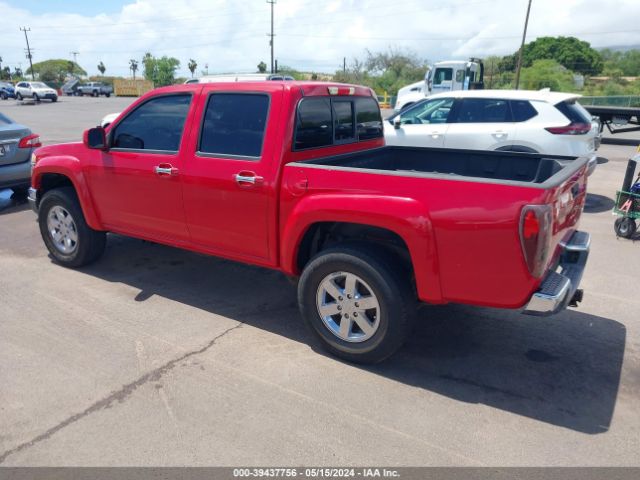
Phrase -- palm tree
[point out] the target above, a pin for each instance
(101, 68)
(133, 66)
(192, 66)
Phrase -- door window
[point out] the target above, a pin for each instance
(156, 125)
(430, 111)
(234, 125)
(483, 110)
(442, 75)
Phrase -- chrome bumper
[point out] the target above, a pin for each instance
(32, 197)
(560, 287)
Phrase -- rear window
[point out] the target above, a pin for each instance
(314, 123)
(368, 119)
(522, 110)
(574, 112)
(325, 121)
(234, 124)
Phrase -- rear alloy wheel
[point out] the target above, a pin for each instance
(358, 301)
(64, 230)
(625, 227)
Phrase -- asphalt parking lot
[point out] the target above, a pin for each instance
(157, 356)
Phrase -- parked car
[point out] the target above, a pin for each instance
(7, 90)
(17, 143)
(505, 120)
(295, 176)
(95, 89)
(70, 87)
(36, 90)
(108, 119)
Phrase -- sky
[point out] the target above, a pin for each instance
(311, 35)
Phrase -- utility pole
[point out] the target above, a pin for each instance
(344, 64)
(272, 2)
(25, 30)
(524, 36)
(75, 54)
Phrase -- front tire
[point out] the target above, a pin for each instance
(357, 301)
(65, 232)
(18, 96)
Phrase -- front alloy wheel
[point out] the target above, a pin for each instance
(62, 230)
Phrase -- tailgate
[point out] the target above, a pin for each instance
(554, 250)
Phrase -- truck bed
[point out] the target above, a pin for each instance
(544, 171)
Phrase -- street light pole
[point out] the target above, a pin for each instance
(272, 2)
(524, 36)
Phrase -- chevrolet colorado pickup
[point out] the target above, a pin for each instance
(95, 89)
(295, 176)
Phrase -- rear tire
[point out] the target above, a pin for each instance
(65, 232)
(378, 324)
(625, 227)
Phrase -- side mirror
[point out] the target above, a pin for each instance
(95, 138)
(397, 122)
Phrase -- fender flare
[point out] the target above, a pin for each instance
(406, 217)
(69, 167)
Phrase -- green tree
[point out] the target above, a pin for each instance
(394, 68)
(101, 68)
(547, 74)
(571, 53)
(161, 71)
(262, 67)
(133, 66)
(55, 70)
(192, 66)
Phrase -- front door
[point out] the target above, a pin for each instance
(229, 180)
(136, 183)
(422, 125)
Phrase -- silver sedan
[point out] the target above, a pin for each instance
(17, 142)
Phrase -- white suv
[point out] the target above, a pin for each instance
(35, 90)
(513, 120)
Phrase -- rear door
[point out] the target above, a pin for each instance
(229, 179)
(481, 124)
(422, 125)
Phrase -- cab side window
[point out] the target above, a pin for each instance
(156, 125)
(234, 125)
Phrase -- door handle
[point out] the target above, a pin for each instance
(244, 178)
(165, 170)
(499, 134)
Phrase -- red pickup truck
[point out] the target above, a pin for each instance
(295, 176)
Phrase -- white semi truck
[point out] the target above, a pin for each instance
(443, 77)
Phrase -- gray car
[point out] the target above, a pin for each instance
(17, 142)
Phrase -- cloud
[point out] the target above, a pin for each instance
(231, 36)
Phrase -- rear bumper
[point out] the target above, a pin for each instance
(560, 287)
(16, 174)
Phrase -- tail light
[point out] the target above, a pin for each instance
(30, 141)
(571, 129)
(535, 236)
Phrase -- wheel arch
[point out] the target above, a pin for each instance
(64, 173)
(405, 231)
